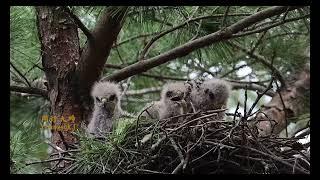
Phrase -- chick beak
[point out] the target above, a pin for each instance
(104, 100)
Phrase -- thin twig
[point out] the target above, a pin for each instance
(21, 75)
(269, 27)
(176, 170)
(263, 60)
(133, 38)
(274, 157)
(144, 51)
(225, 15)
(83, 28)
(258, 98)
(284, 108)
(237, 68)
(51, 160)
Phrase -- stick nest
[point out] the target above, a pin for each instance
(196, 143)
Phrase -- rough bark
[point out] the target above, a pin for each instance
(69, 73)
(290, 101)
(60, 46)
(96, 52)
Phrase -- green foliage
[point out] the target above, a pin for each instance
(283, 46)
(26, 136)
(96, 156)
(24, 42)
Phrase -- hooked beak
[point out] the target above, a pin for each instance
(104, 100)
(109, 106)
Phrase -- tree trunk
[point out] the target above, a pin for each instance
(290, 101)
(70, 74)
(60, 46)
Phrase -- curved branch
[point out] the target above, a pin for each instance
(94, 54)
(145, 74)
(183, 50)
(161, 34)
(132, 38)
(235, 86)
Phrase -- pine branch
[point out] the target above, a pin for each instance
(30, 90)
(187, 48)
(161, 34)
(145, 74)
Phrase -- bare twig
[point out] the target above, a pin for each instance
(20, 74)
(252, 87)
(51, 160)
(275, 158)
(284, 108)
(174, 145)
(35, 65)
(225, 15)
(133, 38)
(237, 68)
(270, 26)
(160, 77)
(76, 19)
(258, 98)
(261, 36)
(263, 60)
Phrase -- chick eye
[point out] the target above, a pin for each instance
(98, 99)
(169, 93)
(211, 95)
(112, 97)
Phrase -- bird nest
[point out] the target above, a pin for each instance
(195, 143)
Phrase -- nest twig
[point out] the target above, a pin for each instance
(202, 143)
